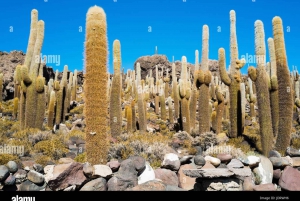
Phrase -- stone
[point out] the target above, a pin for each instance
(12, 166)
(277, 174)
(167, 176)
(139, 163)
(208, 173)
(199, 160)
(218, 184)
(279, 162)
(88, 170)
(35, 177)
(214, 161)
(29, 186)
(264, 172)
(102, 171)
(208, 165)
(290, 179)
(185, 182)
(39, 168)
(235, 163)
(20, 175)
(98, 184)
(4, 172)
(222, 165)
(10, 180)
(71, 155)
(265, 187)
(70, 188)
(171, 161)
(296, 161)
(114, 165)
(186, 159)
(152, 185)
(248, 184)
(147, 175)
(224, 158)
(61, 176)
(174, 188)
(274, 153)
(292, 152)
(253, 161)
(65, 160)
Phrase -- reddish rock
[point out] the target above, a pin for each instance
(167, 176)
(186, 182)
(208, 165)
(265, 187)
(114, 165)
(152, 185)
(290, 179)
(248, 184)
(225, 158)
(276, 173)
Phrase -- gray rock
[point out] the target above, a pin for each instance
(114, 165)
(20, 175)
(208, 173)
(98, 184)
(263, 174)
(292, 152)
(199, 160)
(139, 163)
(12, 166)
(152, 185)
(222, 165)
(235, 163)
(277, 173)
(186, 159)
(218, 184)
(171, 161)
(253, 161)
(10, 180)
(38, 168)
(35, 177)
(29, 186)
(4, 172)
(88, 170)
(274, 153)
(102, 171)
(279, 162)
(174, 188)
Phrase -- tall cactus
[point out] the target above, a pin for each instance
(184, 92)
(259, 76)
(274, 89)
(115, 96)
(285, 100)
(162, 99)
(41, 98)
(194, 94)
(17, 81)
(51, 109)
(233, 80)
(96, 101)
(1, 86)
(175, 92)
(141, 110)
(243, 103)
(133, 121)
(204, 78)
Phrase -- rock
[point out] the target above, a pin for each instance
(248, 184)
(222, 165)
(290, 179)
(61, 176)
(29, 186)
(114, 165)
(27, 169)
(279, 162)
(241, 172)
(4, 172)
(292, 152)
(186, 159)
(70, 188)
(39, 168)
(174, 188)
(12, 166)
(199, 150)
(186, 182)
(167, 176)
(218, 184)
(244, 160)
(35, 177)
(139, 163)
(125, 178)
(65, 160)
(10, 180)
(98, 184)
(71, 155)
(20, 175)
(253, 161)
(276, 173)
(208, 165)
(274, 153)
(147, 175)
(264, 172)
(88, 170)
(152, 185)
(171, 161)
(28, 165)
(214, 161)
(224, 158)
(235, 163)
(199, 160)
(63, 128)
(296, 161)
(102, 171)
(265, 187)
(208, 173)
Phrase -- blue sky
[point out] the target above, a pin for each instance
(176, 27)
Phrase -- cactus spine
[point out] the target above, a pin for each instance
(96, 101)
(233, 79)
(285, 100)
(115, 96)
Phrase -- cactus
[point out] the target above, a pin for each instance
(285, 100)
(96, 101)
(252, 100)
(129, 118)
(74, 86)
(175, 92)
(60, 97)
(233, 79)
(17, 81)
(261, 83)
(141, 110)
(133, 121)
(170, 110)
(157, 91)
(15, 110)
(1, 86)
(115, 96)
(41, 98)
(243, 104)
(51, 109)
(184, 92)
(204, 78)
(274, 89)
(220, 108)
(194, 94)
(162, 99)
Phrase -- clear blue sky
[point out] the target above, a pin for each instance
(176, 27)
